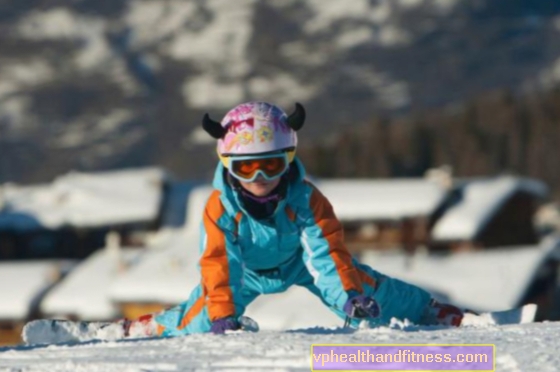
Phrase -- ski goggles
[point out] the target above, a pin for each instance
(248, 168)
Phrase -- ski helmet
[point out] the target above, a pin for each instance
(255, 128)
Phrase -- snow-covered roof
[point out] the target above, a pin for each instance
(84, 292)
(167, 270)
(84, 200)
(482, 280)
(384, 199)
(163, 275)
(23, 282)
(479, 201)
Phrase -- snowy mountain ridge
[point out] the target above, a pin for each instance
(118, 83)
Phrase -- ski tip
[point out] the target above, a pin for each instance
(528, 314)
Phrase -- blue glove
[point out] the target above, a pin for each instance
(220, 326)
(361, 306)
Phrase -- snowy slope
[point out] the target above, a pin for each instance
(531, 347)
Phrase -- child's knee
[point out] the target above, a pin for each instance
(400, 300)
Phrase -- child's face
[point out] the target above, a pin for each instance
(260, 186)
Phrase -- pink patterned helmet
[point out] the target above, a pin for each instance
(255, 128)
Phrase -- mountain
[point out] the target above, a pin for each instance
(120, 83)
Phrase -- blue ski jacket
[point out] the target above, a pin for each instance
(303, 224)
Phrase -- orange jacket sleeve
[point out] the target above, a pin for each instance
(325, 253)
(220, 262)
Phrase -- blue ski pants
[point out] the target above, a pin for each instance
(396, 298)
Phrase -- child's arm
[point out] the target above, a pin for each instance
(325, 254)
(220, 263)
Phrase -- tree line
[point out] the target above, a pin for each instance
(495, 133)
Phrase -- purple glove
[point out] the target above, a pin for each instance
(220, 326)
(361, 306)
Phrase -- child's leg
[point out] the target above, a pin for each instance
(406, 301)
(442, 314)
(396, 298)
(188, 317)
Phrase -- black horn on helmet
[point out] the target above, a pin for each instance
(297, 118)
(213, 128)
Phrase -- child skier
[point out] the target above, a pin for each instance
(266, 228)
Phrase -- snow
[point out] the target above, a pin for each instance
(378, 17)
(96, 51)
(110, 123)
(84, 292)
(293, 309)
(381, 199)
(480, 199)
(154, 20)
(349, 39)
(391, 35)
(528, 347)
(228, 31)
(167, 271)
(27, 75)
(85, 199)
(51, 24)
(282, 88)
(61, 23)
(326, 13)
(205, 91)
(299, 50)
(486, 280)
(22, 283)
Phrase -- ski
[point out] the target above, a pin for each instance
(520, 315)
(57, 331)
(60, 331)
